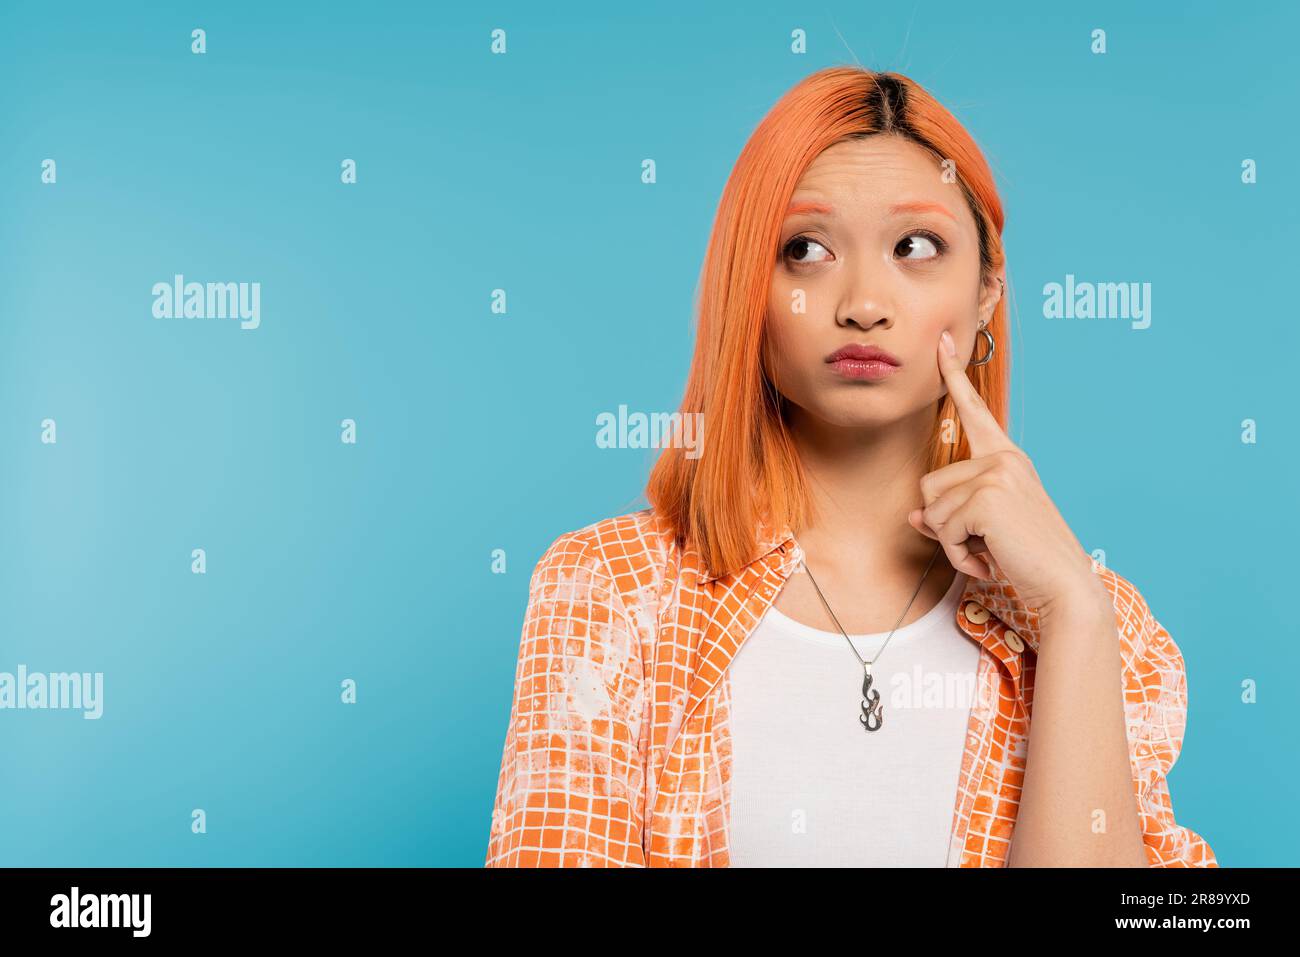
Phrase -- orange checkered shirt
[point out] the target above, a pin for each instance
(618, 753)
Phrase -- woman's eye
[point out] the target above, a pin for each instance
(801, 246)
(928, 245)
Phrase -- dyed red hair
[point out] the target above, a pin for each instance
(748, 470)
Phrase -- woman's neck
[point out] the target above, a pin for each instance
(863, 483)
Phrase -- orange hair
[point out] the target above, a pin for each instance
(748, 469)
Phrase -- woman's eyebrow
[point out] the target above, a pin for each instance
(797, 208)
(911, 206)
(921, 206)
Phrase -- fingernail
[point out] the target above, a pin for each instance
(948, 343)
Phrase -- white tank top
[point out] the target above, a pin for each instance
(810, 786)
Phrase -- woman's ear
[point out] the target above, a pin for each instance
(991, 292)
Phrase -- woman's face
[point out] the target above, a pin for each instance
(878, 251)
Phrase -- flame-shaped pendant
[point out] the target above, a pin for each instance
(871, 706)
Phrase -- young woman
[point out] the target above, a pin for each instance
(823, 642)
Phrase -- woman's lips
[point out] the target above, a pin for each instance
(863, 368)
(860, 361)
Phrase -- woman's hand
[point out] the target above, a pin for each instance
(994, 502)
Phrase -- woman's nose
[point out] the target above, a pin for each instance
(864, 302)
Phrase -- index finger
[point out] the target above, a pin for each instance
(982, 429)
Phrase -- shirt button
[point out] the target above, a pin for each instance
(977, 613)
(1013, 641)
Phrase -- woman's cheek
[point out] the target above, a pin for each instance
(778, 342)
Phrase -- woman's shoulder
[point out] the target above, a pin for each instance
(617, 567)
(634, 549)
(1146, 645)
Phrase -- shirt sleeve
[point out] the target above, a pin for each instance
(1157, 691)
(570, 789)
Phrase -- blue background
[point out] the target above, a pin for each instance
(476, 430)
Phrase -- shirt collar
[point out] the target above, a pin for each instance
(769, 539)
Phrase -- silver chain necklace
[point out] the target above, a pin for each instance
(873, 711)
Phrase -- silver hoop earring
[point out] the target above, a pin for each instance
(989, 336)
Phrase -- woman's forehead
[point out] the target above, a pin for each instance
(882, 175)
(847, 164)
